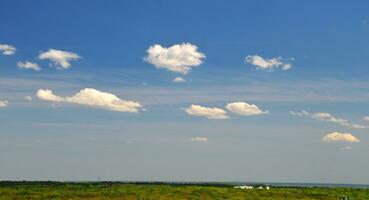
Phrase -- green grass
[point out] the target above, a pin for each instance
(125, 191)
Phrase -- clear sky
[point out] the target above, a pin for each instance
(184, 90)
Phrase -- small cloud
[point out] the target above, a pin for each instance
(179, 80)
(340, 137)
(268, 64)
(199, 139)
(4, 103)
(179, 58)
(366, 118)
(210, 113)
(243, 108)
(59, 58)
(287, 66)
(28, 98)
(28, 65)
(94, 98)
(346, 148)
(7, 49)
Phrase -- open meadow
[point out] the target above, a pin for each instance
(161, 191)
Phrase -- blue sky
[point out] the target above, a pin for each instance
(70, 138)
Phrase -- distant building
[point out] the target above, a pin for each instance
(247, 187)
(250, 187)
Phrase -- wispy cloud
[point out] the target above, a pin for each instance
(346, 148)
(94, 98)
(199, 139)
(327, 117)
(268, 64)
(177, 58)
(61, 59)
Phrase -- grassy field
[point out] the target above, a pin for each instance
(53, 190)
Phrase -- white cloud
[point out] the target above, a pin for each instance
(267, 64)
(199, 139)
(28, 98)
(94, 98)
(177, 58)
(7, 49)
(243, 108)
(179, 80)
(28, 65)
(210, 113)
(327, 117)
(342, 137)
(4, 103)
(366, 118)
(59, 58)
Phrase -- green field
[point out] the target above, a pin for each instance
(156, 191)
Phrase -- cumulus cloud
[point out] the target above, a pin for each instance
(94, 98)
(267, 64)
(179, 58)
(61, 59)
(28, 65)
(210, 113)
(366, 118)
(179, 80)
(7, 49)
(199, 139)
(327, 117)
(4, 103)
(340, 137)
(243, 108)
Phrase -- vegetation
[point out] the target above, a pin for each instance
(165, 191)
